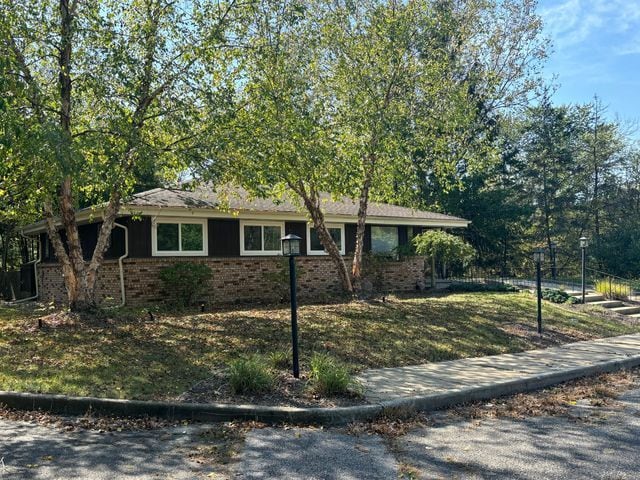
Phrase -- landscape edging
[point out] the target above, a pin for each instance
(212, 412)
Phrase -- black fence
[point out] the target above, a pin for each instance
(559, 278)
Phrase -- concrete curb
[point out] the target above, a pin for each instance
(215, 412)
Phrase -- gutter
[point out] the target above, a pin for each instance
(35, 273)
(123, 296)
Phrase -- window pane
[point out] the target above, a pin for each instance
(167, 234)
(272, 237)
(253, 238)
(314, 240)
(336, 234)
(192, 237)
(384, 239)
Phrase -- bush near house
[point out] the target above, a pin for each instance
(185, 282)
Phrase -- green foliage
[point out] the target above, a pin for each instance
(250, 376)
(443, 246)
(612, 289)
(481, 287)
(280, 359)
(280, 277)
(185, 282)
(557, 296)
(330, 377)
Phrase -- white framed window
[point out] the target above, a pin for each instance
(261, 238)
(179, 237)
(314, 246)
(383, 239)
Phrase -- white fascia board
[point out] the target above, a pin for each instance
(85, 216)
(292, 216)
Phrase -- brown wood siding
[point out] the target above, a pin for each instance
(224, 237)
(367, 238)
(350, 238)
(299, 229)
(350, 241)
(88, 234)
(88, 238)
(139, 236)
(403, 235)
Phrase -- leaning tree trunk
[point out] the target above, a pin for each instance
(312, 204)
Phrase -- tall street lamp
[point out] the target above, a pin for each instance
(584, 243)
(553, 248)
(291, 249)
(538, 257)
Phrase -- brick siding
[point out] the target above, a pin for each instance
(239, 279)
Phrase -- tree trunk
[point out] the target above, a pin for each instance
(102, 244)
(363, 204)
(311, 202)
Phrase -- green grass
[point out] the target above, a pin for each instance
(126, 356)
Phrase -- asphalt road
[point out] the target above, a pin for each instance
(591, 443)
(31, 451)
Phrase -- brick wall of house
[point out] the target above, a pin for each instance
(239, 279)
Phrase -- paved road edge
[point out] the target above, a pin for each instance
(212, 412)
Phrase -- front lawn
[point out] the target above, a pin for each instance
(124, 354)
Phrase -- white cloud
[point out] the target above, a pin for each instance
(571, 22)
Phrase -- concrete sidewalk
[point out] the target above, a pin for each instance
(443, 378)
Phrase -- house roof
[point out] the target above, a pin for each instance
(203, 201)
(238, 199)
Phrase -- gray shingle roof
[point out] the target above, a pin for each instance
(239, 200)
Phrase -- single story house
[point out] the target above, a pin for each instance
(238, 237)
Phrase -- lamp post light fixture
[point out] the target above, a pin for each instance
(291, 249)
(538, 257)
(584, 243)
(553, 248)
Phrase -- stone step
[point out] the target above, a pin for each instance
(635, 315)
(627, 310)
(589, 297)
(577, 293)
(607, 303)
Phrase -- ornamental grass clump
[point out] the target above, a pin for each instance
(330, 377)
(250, 375)
(612, 289)
(280, 359)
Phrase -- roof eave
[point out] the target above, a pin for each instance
(93, 214)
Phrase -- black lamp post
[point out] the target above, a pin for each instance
(538, 257)
(584, 243)
(553, 248)
(291, 249)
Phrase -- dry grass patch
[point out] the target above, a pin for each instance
(125, 354)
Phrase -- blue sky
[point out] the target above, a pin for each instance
(596, 50)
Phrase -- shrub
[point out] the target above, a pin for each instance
(612, 289)
(184, 282)
(557, 296)
(280, 359)
(444, 246)
(250, 375)
(481, 287)
(328, 376)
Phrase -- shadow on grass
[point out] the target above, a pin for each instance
(127, 357)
